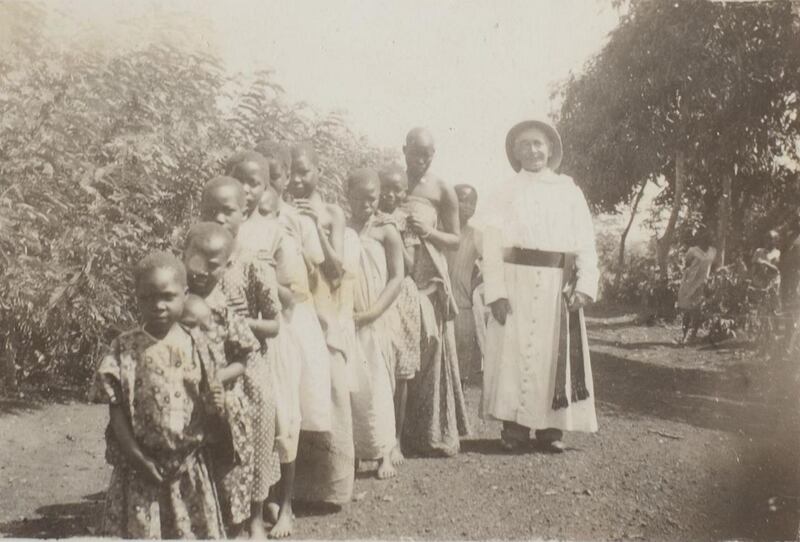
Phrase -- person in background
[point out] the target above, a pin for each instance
(766, 283)
(697, 264)
(462, 266)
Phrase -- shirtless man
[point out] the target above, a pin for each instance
(419, 151)
(436, 412)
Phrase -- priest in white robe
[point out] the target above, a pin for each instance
(540, 270)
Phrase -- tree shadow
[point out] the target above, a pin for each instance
(303, 509)
(483, 446)
(59, 520)
(13, 406)
(734, 399)
(635, 345)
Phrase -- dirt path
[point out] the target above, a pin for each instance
(694, 443)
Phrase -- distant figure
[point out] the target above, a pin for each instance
(461, 264)
(766, 274)
(696, 269)
(766, 284)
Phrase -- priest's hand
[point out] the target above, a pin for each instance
(501, 308)
(578, 300)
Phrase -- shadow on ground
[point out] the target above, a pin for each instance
(739, 398)
(59, 520)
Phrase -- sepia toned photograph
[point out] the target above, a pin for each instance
(400, 269)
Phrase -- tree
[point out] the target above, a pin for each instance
(699, 93)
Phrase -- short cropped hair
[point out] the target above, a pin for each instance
(390, 170)
(278, 152)
(159, 260)
(200, 235)
(236, 161)
(219, 182)
(361, 176)
(467, 188)
(305, 149)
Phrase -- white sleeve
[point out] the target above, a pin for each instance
(586, 253)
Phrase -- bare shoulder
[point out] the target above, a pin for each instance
(335, 211)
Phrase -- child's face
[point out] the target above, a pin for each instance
(197, 315)
(394, 190)
(161, 294)
(268, 206)
(278, 176)
(205, 268)
(305, 176)
(532, 149)
(363, 199)
(254, 181)
(224, 207)
(466, 204)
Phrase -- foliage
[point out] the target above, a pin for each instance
(102, 157)
(715, 81)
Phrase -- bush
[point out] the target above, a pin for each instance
(102, 157)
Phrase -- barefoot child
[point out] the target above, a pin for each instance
(306, 399)
(405, 312)
(461, 264)
(379, 280)
(251, 289)
(232, 345)
(152, 379)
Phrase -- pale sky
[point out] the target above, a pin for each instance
(468, 70)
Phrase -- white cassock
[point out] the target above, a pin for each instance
(544, 211)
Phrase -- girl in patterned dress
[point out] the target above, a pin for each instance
(233, 347)
(250, 287)
(153, 380)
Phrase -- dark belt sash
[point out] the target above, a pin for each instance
(570, 335)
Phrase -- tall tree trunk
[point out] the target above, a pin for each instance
(8, 368)
(664, 244)
(724, 218)
(626, 231)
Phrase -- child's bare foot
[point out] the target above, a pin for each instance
(285, 524)
(386, 469)
(273, 510)
(257, 531)
(397, 455)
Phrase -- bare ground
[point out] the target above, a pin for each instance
(695, 443)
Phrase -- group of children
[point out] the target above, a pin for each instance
(274, 354)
